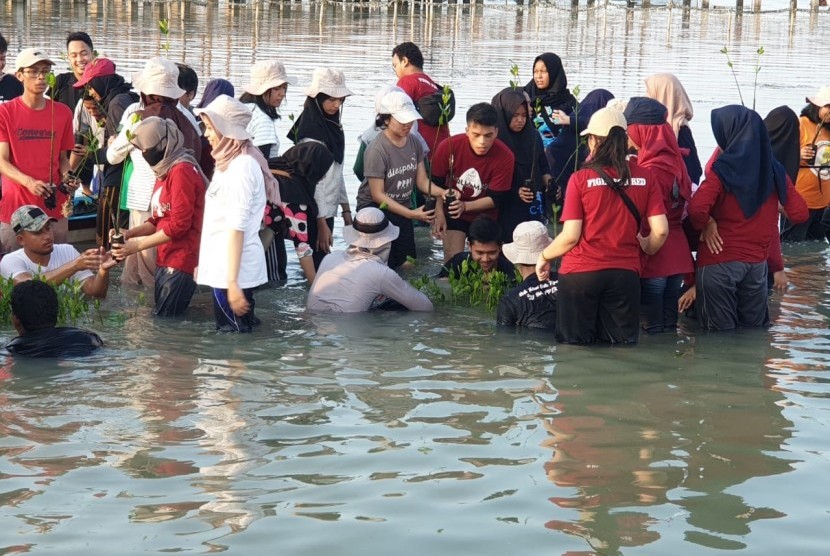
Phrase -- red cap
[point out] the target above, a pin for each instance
(98, 67)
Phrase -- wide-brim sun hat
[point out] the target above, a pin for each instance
(265, 75)
(821, 98)
(329, 81)
(370, 229)
(159, 77)
(399, 106)
(529, 240)
(603, 121)
(228, 116)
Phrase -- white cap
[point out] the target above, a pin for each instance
(603, 121)
(399, 106)
(821, 98)
(28, 57)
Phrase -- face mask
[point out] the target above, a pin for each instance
(153, 155)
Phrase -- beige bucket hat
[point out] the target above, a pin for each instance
(160, 77)
(267, 74)
(229, 116)
(329, 81)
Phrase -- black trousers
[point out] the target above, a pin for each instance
(602, 305)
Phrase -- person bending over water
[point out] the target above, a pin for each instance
(355, 280)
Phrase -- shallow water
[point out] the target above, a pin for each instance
(411, 433)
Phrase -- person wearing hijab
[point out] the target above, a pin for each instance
(549, 95)
(158, 85)
(176, 208)
(600, 242)
(394, 168)
(298, 171)
(783, 129)
(566, 152)
(661, 277)
(111, 96)
(231, 255)
(531, 176)
(813, 185)
(352, 281)
(736, 208)
(213, 89)
(320, 121)
(667, 89)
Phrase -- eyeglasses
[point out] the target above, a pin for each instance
(37, 73)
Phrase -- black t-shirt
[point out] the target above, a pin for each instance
(531, 304)
(65, 92)
(503, 265)
(10, 88)
(55, 342)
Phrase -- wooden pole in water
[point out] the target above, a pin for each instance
(793, 6)
(739, 7)
(704, 4)
(756, 6)
(814, 4)
(646, 4)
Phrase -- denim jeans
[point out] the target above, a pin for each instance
(658, 302)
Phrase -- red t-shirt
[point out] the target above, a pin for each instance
(675, 257)
(475, 176)
(177, 208)
(417, 85)
(747, 240)
(28, 134)
(609, 231)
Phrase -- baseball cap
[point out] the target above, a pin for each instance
(29, 218)
(28, 57)
(400, 106)
(603, 121)
(98, 67)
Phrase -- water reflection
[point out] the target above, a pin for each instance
(669, 450)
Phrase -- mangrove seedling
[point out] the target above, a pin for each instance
(729, 63)
(164, 29)
(514, 73)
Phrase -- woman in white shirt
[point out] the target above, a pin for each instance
(231, 258)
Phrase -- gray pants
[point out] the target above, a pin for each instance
(732, 294)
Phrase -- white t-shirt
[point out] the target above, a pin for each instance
(264, 130)
(235, 200)
(16, 263)
(350, 285)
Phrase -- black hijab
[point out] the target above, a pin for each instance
(746, 166)
(306, 164)
(523, 144)
(563, 149)
(556, 95)
(109, 87)
(784, 131)
(314, 123)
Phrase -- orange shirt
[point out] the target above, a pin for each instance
(815, 194)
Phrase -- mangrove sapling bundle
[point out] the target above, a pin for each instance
(443, 119)
(73, 304)
(471, 284)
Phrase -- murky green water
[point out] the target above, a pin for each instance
(428, 434)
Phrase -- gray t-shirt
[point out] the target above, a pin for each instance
(398, 166)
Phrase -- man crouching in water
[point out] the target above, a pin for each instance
(35, 316)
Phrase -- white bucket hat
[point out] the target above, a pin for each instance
(28, 57)
(821, 98)
(529, 240)
(229, 116)
(399, 106)
(328, 81)
(370, 229)
(603, 121)
(160, 77)
(267, 74)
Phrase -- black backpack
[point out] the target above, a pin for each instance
(429, 106)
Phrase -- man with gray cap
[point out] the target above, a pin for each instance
(55, 263)
(30, 127)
